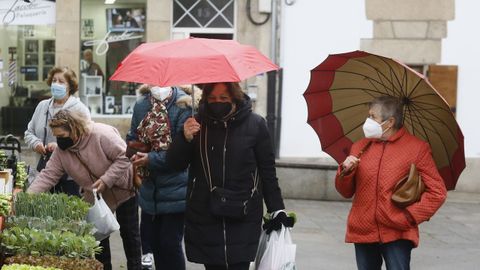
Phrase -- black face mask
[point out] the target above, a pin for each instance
(64, 142)
(219, 110)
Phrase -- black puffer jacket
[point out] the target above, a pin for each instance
(247, 144)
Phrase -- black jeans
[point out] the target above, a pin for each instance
(166, 236)
(146, 229)
(237, 266)
(396, 255)
(127, 217)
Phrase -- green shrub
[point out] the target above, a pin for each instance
(57, 262)
(22, 175)
(57, 206)
(80, 228)
(5, 204)
(26, 267)
(25, 241)
(3, 160)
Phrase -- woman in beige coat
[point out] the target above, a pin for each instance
(94, 155)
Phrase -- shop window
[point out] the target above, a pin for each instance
(108, 34)
(203, 13)
(27, 53)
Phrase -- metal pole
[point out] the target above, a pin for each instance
(193, 100)
(273, 33)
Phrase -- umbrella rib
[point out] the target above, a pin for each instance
(371, 66)
(348, 107)
(394, 90)
(434, 130)
(436, 107)
(444, 147)
(407, 109)
(439, 120)
(404, 80)
(349, 88)
(355, 73)
(343, 135)
(391, 70)
(414, 88)
(412, 118)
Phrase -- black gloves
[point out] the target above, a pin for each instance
(276, 223)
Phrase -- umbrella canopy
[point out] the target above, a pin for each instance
(342, 86)
(192, 61)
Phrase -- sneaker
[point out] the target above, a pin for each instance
(147, 261)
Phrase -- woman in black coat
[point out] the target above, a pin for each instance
(225, 145)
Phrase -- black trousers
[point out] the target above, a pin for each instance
(237, 266)
(165, 237)
(127, 217)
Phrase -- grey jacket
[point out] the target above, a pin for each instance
(35, 130)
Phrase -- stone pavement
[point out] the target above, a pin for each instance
(451, 240)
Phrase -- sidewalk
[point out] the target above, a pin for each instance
(451, 240)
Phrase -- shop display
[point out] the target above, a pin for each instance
(91, 92)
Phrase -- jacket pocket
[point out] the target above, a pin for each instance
(395, 218)
(361, 221)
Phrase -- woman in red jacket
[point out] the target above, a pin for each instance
(376, 226)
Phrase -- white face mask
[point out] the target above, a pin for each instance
(160, 93)
(373, 129)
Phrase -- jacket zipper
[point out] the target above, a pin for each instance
(376, 193)
(193, 187)
(224, 228)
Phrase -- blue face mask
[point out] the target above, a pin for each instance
(59, 91)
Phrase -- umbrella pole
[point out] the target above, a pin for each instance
(193, 100)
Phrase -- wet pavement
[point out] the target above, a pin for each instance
(450, 240)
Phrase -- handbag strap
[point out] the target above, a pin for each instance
(206, 163)
(46, 122)
(86, 167)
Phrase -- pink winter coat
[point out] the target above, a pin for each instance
(103, 151)
(373, 217)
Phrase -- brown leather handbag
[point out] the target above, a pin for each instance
(132, 148)
(409, 189)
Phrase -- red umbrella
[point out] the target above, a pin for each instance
(341, 87)
(192, 61)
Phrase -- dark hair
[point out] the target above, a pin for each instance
(389, 107)
(70, 76)
(233, 89)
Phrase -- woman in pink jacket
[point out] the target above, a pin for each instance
(378, 228)
(94, 155)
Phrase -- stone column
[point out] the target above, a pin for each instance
(408, 30)
(67, 34)
(159, 20)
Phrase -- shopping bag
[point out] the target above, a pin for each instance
(102, 218)
(277, 252)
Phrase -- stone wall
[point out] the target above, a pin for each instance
(408, 30)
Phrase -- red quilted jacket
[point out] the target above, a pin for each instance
(373, 217)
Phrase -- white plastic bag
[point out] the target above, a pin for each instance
(276, 251)
(102, 218)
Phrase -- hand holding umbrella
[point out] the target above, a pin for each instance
(190, 128)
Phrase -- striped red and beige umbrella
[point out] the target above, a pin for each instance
(342, 86)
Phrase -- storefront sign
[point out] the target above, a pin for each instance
(19, 12)
(102, 44)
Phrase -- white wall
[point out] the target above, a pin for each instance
(310, 31)
(461, 47)
(331, 27)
